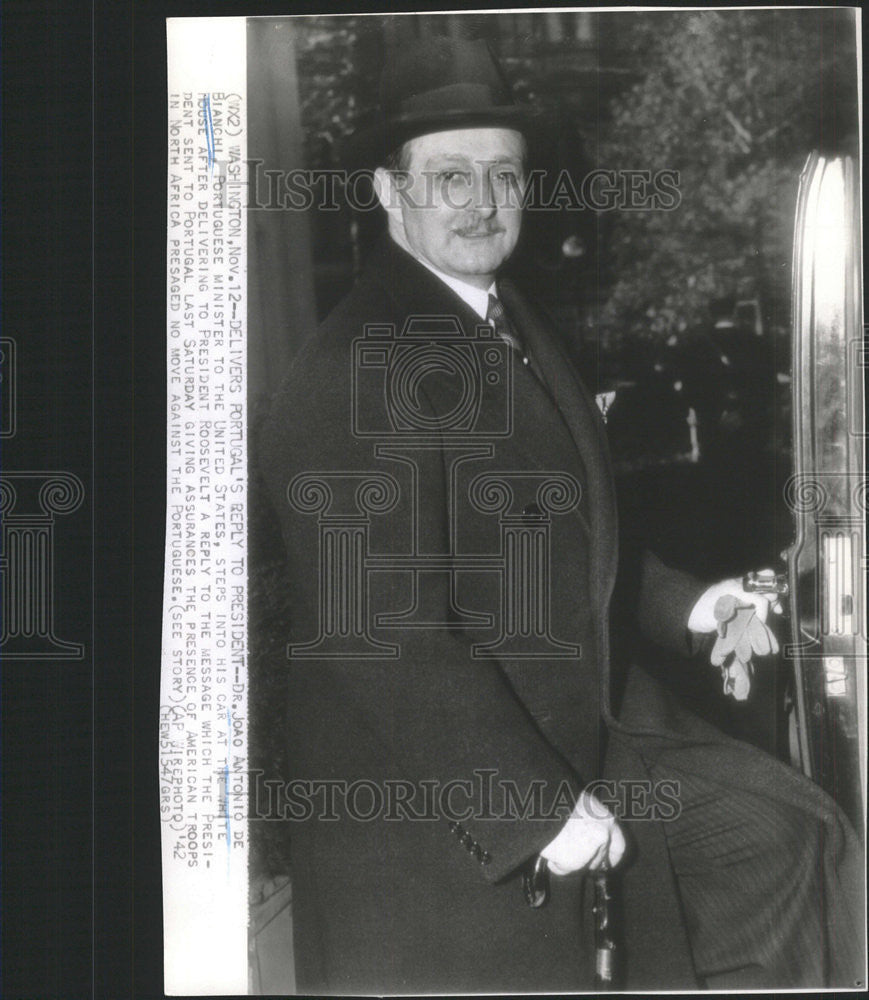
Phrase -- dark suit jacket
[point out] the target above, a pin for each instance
(403, 905)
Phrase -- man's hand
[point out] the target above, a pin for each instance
(590, 837)
(702, 617)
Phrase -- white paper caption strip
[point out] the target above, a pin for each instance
(203, 691)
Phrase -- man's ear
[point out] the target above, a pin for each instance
(388, 191)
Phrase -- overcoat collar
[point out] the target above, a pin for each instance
(414, 288)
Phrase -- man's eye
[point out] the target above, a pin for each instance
(449, 176)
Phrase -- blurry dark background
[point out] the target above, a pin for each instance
(683, 313)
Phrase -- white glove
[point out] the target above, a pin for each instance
(590, 837)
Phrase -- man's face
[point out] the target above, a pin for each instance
(460, 209)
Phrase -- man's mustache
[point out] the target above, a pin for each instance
(476, 231)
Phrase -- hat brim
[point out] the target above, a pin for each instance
(369, 146)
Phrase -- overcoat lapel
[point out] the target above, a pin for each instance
(413, 288)
(416, 291)
(586, 427)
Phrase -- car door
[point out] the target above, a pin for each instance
(827, 491)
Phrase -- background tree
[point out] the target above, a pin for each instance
(733, 100)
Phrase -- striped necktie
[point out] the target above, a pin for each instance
(497, 316)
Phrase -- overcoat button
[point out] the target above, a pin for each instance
(454, 827)
(485, 858)
(467, 840)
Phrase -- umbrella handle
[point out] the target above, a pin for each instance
(605, 950)
(535, 885)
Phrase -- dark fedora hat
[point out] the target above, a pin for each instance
(436, 85)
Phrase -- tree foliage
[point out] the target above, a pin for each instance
(733, 100)
(339, 62)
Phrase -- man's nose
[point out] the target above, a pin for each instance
(484, 196)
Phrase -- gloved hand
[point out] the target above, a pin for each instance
(702, 617)
(590, 839)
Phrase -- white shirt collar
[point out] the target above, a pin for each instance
(476, 298)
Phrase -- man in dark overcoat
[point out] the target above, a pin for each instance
(447, 504)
